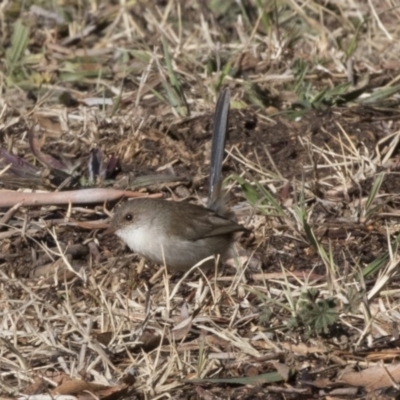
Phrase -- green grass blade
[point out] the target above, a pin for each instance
(19, 42)
(381, 261)
(225, 71)
(381, 94)
(257, 195)
(174, 88)
(372, 195)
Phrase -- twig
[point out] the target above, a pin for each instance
(9, 198)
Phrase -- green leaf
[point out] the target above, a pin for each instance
(19, 43)
(249, 191)
(354, 41)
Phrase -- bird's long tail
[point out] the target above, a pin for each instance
(216, 199)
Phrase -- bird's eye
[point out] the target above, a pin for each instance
(128, 217)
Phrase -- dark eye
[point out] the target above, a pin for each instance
(128, 217)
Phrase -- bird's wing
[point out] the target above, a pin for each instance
(211, 225)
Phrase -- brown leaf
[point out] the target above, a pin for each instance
(18, 166)
(251, 370)
(104, 337)
(182, 329)
(49, 269)
(150, 341)
(205, 394)
(46, 159)
(302, 348)
(283, 370)
(39, 385)
(77, 386)
(373, 378)
(115, 393)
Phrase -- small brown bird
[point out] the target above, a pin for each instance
(182, 234)
(177, 234)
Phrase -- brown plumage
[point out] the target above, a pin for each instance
(179, 234)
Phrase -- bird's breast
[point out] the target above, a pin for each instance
(145, 241)
(174, 251)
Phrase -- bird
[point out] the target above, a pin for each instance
(181, 234)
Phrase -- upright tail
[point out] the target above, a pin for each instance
(215, 195)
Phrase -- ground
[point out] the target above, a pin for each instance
(121, 95)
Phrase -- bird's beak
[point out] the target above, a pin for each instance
(109, 231)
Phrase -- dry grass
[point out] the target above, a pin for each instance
(120, 95)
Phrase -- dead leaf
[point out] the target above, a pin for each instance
(77, 386)
(373, 378)
(182, 329)
(283, 370)
(35, 139)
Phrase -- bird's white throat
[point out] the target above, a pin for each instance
(142, 240)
